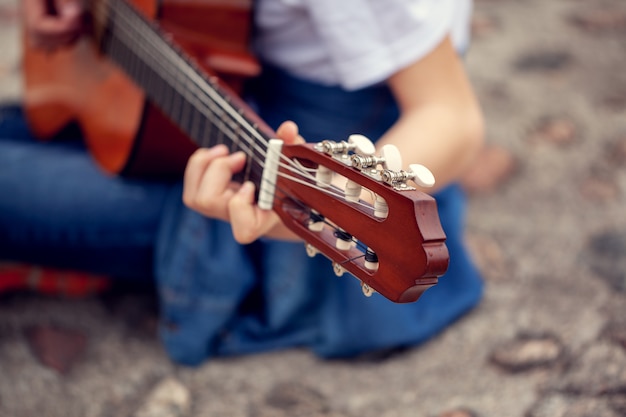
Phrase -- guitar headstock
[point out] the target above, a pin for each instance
(392, 242)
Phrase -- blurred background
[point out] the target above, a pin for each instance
(546, 224)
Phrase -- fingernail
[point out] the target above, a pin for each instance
(218, 149)
(239, 155)
(247, 187)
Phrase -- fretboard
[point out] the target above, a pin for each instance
(195, 102)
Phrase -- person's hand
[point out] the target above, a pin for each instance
(208, 189)
(50, 26)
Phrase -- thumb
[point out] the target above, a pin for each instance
(247, 220)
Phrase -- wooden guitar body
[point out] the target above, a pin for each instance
(79, 84)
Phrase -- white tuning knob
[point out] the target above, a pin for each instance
(381, 208)
(323, 176)
(344, 240)
(393, 159)
(422, 175)
(311, 250)
(371, 260)
(316, 226)
(352, 191)
(367, 290)
(362, 145)
(338, 269)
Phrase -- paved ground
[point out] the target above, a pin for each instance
(546, 224)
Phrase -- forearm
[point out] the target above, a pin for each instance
(445, 139)
(441, 123)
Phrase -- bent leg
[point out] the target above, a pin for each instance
(58, 209)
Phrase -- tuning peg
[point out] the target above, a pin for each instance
(371, 260)
(422, 175)
(352, 191)
(367, 290)
(392, 157)
(311, 250)
(344, 240)
(361, 145)
(381, 208)
(389, 158)
(323, 176)
(417, 173)
(356, 143)
(316, 222)
(338, 269)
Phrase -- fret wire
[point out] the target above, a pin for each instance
(177, 101)
(185, 117)
(249, 163)
(183, 103)
(219, 132)
(151, 54)
(291, 166)
(134, 63)
(114, 44)
(235, 143)
(252, 146)
(144, 74)
(117, 33)
(220, 126)
(239, 135)
(194, 121)
(169, 100)
(168, 93)
(207, 129)
(185, 121)
(117, 46)
(131, 61)
(154, 86)
(176, 71)
(106, 40)
(235, 137)
(236, 129)
(151, 36)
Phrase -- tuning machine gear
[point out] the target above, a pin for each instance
(358, 144)
(417, 173)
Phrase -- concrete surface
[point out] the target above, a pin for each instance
(549, 232)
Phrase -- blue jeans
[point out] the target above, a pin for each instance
(58, 209)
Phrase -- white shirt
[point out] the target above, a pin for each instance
(355, 43)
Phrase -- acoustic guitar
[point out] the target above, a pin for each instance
(151, 84)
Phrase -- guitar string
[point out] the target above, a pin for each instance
(362, 247)
(198, 100)
(338, 194)
(175, 71)
(166, 74)
(293, 166)
(161, 48)
(141, 23)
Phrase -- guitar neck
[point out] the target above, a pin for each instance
(200, 105)
(297, 181)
